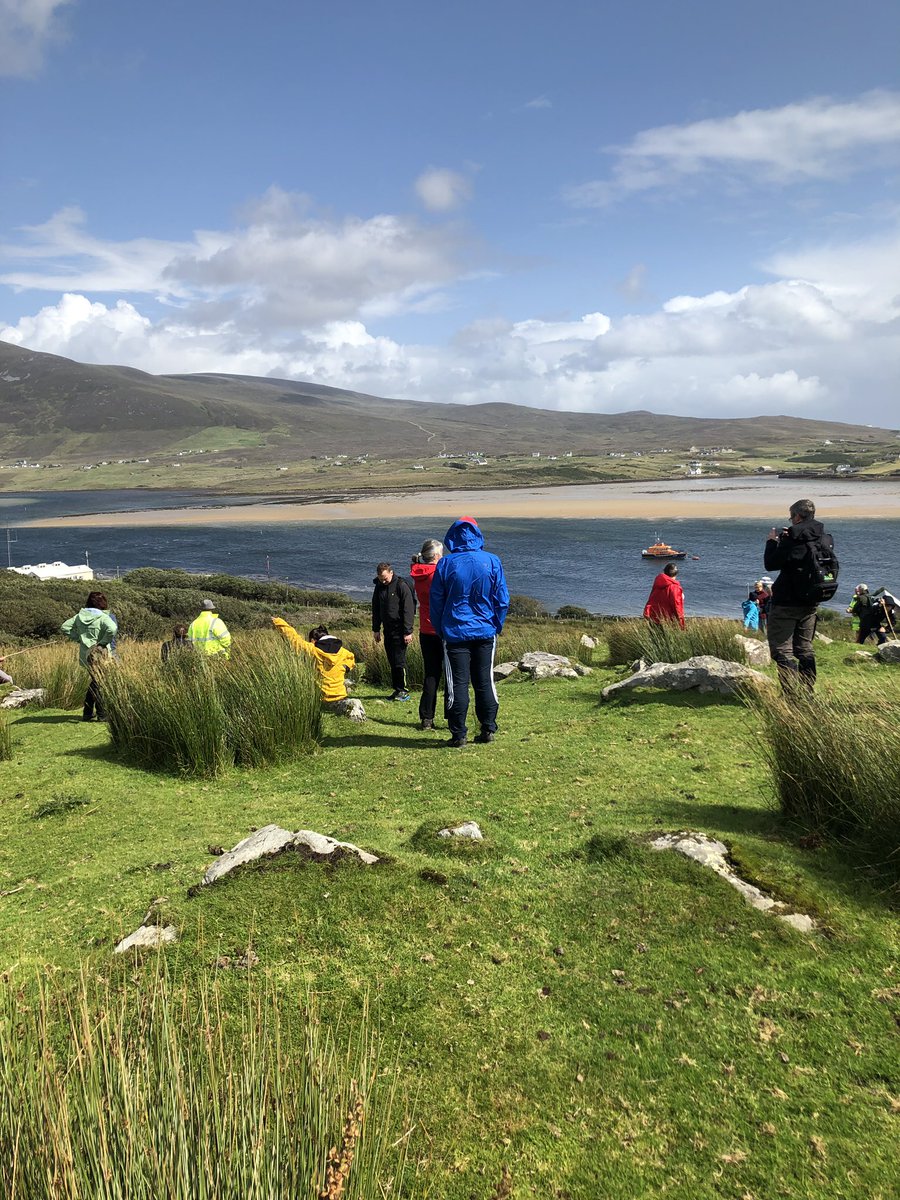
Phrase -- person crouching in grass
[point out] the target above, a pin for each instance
(333, 663)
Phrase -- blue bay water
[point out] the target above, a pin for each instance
(594, 563)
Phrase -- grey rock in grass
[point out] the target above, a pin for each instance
(799, 921)
(859, 656)
(714, 854)
(587, 642)
(272, 839)
(540, 659)
(888, 652)
(541, 665)
(504, 670)
(468, 829)
(22, 696)
(705, 673)
(821, 637)
(148, 937)
(323, 846)
(640, 664)
(756, 652)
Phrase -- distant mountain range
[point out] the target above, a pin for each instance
(54, 407)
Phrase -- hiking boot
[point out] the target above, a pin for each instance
(484, 737)
(456, 742)
(426, 723)
(401, 697)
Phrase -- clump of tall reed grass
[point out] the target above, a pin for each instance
(56, 669)
(668, 642)
(164, 1090)
(835, 763)
(199, 716)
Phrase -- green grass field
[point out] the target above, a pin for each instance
(562, 1012)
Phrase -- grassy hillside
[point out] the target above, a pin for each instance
(235, 432)
(558, 1007)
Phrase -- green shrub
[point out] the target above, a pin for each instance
(160, 1091)
(572, 612)
(526, 606)
(237, 587)
(668, 642)
(835, 763)
(199, 715)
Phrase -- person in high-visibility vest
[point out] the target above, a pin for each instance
(208, 633)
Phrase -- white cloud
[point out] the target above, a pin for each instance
(283, 268)
(823, 339)
(814, 139)
(442, 190)
(26, 28)
(539, 102)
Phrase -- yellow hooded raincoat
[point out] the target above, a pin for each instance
(332, 663)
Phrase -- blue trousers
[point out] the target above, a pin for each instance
(466, 662)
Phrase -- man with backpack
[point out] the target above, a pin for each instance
(803, 554)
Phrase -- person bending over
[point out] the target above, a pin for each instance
(333, 663)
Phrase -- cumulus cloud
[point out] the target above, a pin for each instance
(815, 139)
(821, 338)
(282, 268)
(26, 28)
(442, 190)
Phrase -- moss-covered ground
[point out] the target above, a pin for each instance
(559, 1000)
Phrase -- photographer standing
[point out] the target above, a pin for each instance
(393, 610)
(803, 554)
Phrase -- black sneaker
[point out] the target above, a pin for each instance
(426, 723)
(456, 742)
(484, 737)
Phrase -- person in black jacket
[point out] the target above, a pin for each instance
(393, 611)
(792, 611)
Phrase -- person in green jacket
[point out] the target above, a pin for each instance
(94, 629)
(208, 633)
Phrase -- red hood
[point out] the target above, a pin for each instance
(421, 574)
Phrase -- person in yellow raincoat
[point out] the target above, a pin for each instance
(208, 633)
(333, 662)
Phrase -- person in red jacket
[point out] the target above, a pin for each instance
(421, 572)
(666, 601)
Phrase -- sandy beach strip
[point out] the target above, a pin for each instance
(765, 499)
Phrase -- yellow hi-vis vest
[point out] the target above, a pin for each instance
(209, 634)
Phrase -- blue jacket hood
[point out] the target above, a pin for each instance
(463, 535)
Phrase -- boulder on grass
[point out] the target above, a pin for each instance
(468, 829)
(821, 637)
(705, 673)
(888, 652)
(587, 642)
(272, 839)
(504, 670)
(22, 696)
(148, 937)
(756, 652)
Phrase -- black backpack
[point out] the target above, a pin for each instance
(819, 570)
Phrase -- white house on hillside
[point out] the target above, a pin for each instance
(54, 570)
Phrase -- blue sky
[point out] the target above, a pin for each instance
(689, 208)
